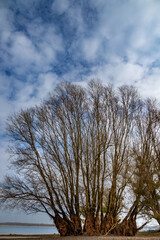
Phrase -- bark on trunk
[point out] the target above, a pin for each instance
(126, 228)
(158, 220)
(77, 225)
(97, 224)
(64, 227)
(91, 226)
(107, 224)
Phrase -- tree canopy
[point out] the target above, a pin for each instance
(88, 157)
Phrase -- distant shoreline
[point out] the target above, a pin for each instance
(26, 224)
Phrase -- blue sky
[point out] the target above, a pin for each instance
(45, 42)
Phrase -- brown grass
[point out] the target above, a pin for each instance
(153, 235)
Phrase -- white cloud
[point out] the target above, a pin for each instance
(33, 50)
(44, 34)
(5, 103)
(60, 6)
(126, 28)
(6, 20)
(91, 47)
(26, 55)
(46, 83)
(6, 110)
(23, 50)
(149, 86)
(5, 86)
(118, 73)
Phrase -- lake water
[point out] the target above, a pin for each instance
(27, 230)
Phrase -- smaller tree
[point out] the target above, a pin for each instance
(151, 165)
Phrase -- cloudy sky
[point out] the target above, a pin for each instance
(44, 42)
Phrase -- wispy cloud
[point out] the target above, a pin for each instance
(60, 7)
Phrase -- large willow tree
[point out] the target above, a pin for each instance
(77, 156)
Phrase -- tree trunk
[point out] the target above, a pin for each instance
(126, 228)
(107, 224)
(97, 224)
(91, 226)
(158, 220)
(64, 227)
(77, 225)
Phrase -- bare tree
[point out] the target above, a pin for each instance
(124, 107)
(78, 153)
(148, 153)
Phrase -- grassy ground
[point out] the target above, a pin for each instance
(149, 234)
(153, 235)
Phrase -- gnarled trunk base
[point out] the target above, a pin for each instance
(68, 227)
(64, 228)
(91, 226)
(109, 222)
(77, 225)
(126, 228)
